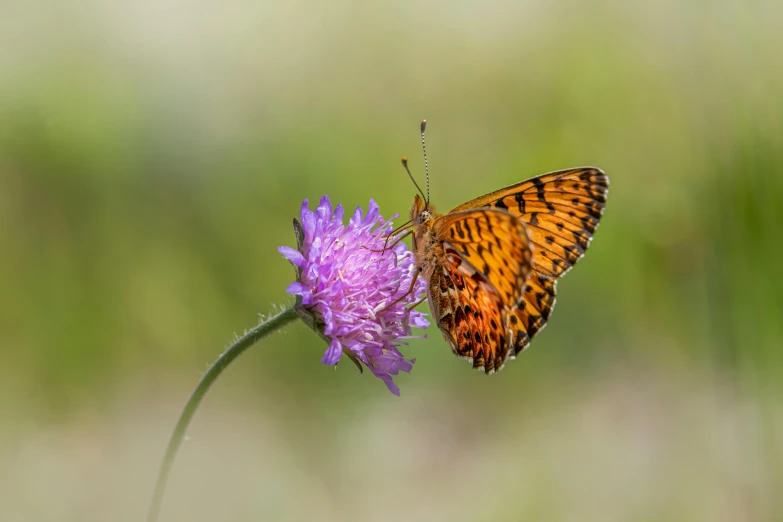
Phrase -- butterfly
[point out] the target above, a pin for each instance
(492, 264)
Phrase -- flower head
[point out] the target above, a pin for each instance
(354, 289)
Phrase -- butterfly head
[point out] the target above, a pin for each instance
(421, 212)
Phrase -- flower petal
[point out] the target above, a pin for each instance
(339, 213)
(302, 291)
(308, 223)
(356, 220)
(333, 353)
(324, 210)
(293, 255)
(372, 212)
(297, 288)
(386, 378)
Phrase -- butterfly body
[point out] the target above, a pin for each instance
(492, 263)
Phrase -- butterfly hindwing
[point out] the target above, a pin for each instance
(530, 315)
(469, 312)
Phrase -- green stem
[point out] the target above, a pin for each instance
(233, 351)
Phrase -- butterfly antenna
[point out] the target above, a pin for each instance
(405, 164)
(426, 167)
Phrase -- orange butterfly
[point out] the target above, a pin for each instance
(492, 263)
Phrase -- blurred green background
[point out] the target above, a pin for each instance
(153, 155)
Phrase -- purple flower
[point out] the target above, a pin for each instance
(346, 287)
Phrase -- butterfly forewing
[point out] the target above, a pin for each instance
(494, 242)
(561, 210)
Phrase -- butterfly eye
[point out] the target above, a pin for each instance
(424, 216)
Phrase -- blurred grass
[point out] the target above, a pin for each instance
(152, 157)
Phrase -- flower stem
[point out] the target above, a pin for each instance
(220, 364)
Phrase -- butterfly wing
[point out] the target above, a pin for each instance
(561, 211)
(494, 242)
(478, 277)
(531, 313)
(470, 315)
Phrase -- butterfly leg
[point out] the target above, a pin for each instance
(387, 247)
(417, 303)
(396, 231)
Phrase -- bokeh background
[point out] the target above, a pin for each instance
(153, 155)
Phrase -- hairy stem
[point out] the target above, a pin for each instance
(220, 364)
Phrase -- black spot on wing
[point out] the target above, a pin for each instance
(520, 199)
(460, 232)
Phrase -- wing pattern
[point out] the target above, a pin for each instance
(494, 242)
(469, 312)
(493, 262)
(561, 211)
